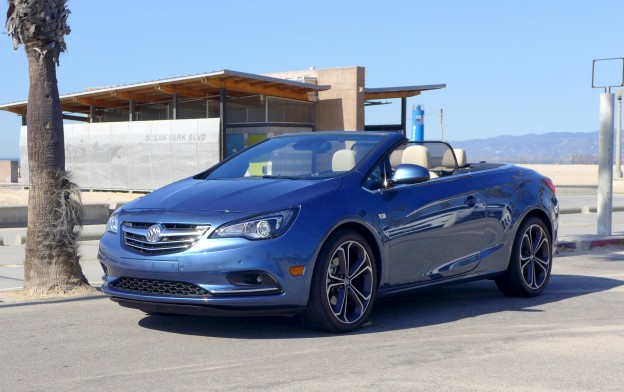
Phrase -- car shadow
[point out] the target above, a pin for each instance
(426, 307)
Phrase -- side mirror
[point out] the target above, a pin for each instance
(409, 174)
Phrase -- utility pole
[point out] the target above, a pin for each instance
(605, 165)
(618, 143)
(442, 123)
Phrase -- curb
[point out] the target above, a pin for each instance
(586, 210)
(590, 243)
(93, 214)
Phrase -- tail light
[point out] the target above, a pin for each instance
(550, 184)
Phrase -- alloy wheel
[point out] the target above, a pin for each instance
(349, 282)
(535, 256)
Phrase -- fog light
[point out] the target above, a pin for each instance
(251, 278)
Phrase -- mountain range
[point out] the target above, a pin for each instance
(548, 148)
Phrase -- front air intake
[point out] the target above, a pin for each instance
(159, 287)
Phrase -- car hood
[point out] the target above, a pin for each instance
(246, 195)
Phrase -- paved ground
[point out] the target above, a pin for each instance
(462, 338)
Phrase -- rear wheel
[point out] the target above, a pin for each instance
(344, 284)
(531, 261)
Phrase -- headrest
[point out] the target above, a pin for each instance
(417, 155)
(460, 154)
(396, 158)
(448, 160)
(343, 160)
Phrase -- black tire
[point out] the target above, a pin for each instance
(530, 263)
(344, 284)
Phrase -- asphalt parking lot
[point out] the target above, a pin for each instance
(461, 338)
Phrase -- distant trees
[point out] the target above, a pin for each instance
(54, 205)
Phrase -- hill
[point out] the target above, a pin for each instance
(549, 148)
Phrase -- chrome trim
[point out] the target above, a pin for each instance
(174, 237)
(239, 291)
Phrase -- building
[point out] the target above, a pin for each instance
(145, 135)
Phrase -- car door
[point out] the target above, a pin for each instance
(435, 229)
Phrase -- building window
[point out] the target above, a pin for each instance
(246, 109)
(290, 111)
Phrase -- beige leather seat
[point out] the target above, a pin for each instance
(460, 154)
(343, 160)
(396, 158)
(448, 160)
(418, 155)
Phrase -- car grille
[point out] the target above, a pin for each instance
(160, 287)
(173, 237)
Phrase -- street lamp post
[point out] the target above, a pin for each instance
(604, 206)
(618, 143)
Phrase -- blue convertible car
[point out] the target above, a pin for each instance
(320, 224)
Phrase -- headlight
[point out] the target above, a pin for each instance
(259, 228)
(113, 223)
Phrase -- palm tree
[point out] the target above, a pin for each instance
(52, 264)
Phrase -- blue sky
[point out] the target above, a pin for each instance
(511, 67)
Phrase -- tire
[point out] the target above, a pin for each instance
(530, 263)
(344, 284)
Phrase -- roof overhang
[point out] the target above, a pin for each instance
(398, 92)
(237, 84)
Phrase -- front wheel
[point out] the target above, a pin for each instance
(344, 284)
(531, 261)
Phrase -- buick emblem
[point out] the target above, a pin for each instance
(153, 233)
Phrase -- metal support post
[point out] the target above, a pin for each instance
(176, 107)
(131, 110)
(605, 164)
(223, 124)
(618, 135)
(404, 116)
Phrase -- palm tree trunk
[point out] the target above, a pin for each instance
(54, 208)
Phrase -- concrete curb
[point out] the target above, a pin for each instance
(585, 210)
(590, 242)
(94, 214)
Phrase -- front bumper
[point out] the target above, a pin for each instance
(214, 267)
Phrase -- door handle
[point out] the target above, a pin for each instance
(471, 201)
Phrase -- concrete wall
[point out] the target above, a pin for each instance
(17, 215)
(578, 175)
(342, 106)
(141, 155)
(575, 176)
(8, 171)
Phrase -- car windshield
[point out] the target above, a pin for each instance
(298, 157)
